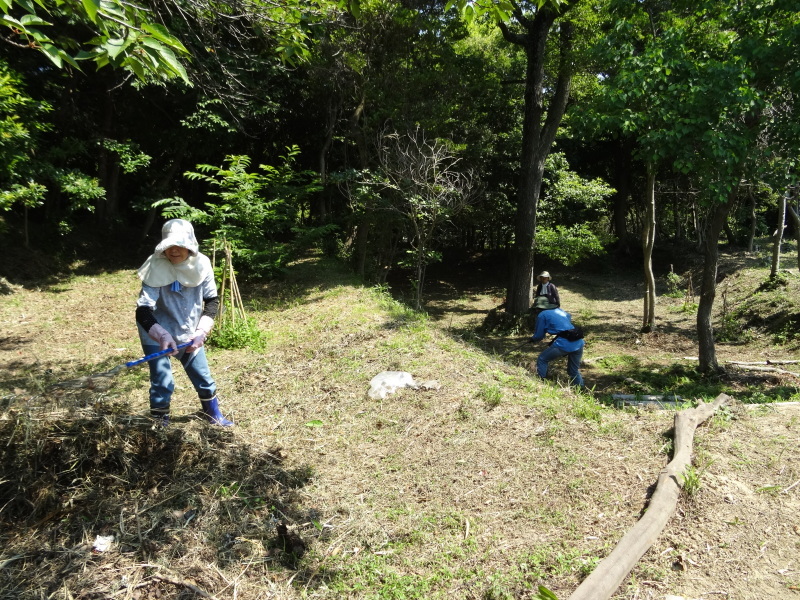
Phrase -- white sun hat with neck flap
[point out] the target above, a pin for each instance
(158, 271)
(177, 232)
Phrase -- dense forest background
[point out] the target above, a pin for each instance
(396, 135)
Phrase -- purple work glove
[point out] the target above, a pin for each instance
(201, 333)
(163, 337)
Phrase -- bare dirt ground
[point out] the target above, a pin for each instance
(428, 494)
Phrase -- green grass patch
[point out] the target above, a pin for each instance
(615, 362)
(490, 395)
(242, 333)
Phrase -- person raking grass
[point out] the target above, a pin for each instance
(568, 342)
(177, 304)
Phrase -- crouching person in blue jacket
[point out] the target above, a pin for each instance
(568, 342)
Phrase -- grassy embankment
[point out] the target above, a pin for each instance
(482, 485)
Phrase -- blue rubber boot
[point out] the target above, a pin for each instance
(160, 416)
(213, 414)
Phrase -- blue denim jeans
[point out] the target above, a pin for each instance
(551, 353)
(162, 384)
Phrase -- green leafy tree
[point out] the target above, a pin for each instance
(113, 33)
(19, 124)
(571, 223)
(378, 227)
(547, 35)
(650, 95)
(254, 211)
(690, 84)
(21, 119)
(748, 76)
(400, 67)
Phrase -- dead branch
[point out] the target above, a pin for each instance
(767, 370)
(647, 397)
(183, 583)
(610, 573)
(764, 362)
(647, 400)
(10, 560)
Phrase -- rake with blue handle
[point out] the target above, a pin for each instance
(90, 381)
(148, 358)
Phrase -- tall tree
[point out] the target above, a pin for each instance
(752, 68)
(645, 88)
(712, 90)
(398, 67)
(777, 236)
(545, 101)
(710, 70)
(539, 130)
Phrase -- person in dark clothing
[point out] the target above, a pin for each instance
(546, 295)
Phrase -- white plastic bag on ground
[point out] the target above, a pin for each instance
(102, 543)
(388, 382)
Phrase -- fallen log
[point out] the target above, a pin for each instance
(609, 574)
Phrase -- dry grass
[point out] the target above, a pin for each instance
(486, 487)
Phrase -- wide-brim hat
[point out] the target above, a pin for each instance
(544, 274)
(177, 232)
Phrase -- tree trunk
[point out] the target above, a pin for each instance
(622, 183)
(708, 288)
(676, 217)
(520, 290)
(163, 186)
(698, 230)
(648, 241)
(421, 269)
(753, 220)
(360, 246)
(538, 132)
(610, 573)
(319, 201)
(777, 237)
(796, 220)
(26, 240)
(358, 132)
(730, 235)
(364, 224)
(108, 169)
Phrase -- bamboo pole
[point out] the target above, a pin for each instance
(222, 292)
(229, 269)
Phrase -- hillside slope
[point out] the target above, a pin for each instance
(483, 485)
